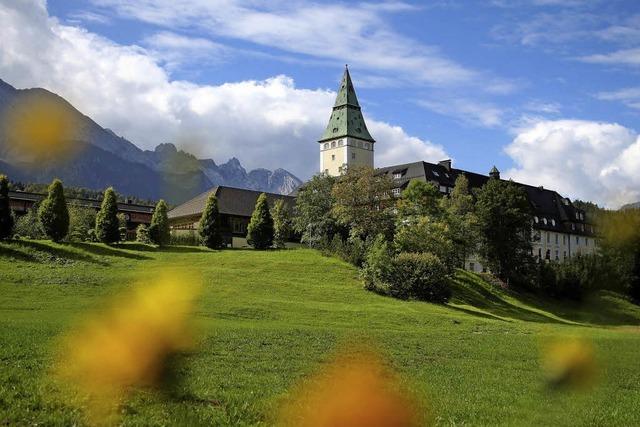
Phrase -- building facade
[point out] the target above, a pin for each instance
(235, 206)
(346, 141)
(561, 230)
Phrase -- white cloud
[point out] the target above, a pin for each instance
(356, 33)
(629, 96)
(176, 50)
(268, 123)
(468, 111)
(619, 57)
(580, 159)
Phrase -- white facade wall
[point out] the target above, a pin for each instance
(346, 151)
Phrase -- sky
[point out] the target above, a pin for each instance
(546, 90)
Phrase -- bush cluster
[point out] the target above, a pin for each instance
(406, 275)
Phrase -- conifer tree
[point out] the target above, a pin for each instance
(107, 224)
(209, 227)
(159, 232)
(260, 230)
(6, 219)
(53, 213)
(281, 223)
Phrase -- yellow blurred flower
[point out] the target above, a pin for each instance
(352, 391)
(130, 344)
(40, 128)
(569, 363)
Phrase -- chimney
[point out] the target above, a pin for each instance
(446, 164)
(494, 173)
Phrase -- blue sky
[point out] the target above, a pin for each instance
(547, 90)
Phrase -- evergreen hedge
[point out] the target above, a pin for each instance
(159, 232)
(209, 226)
(53, 213)
(6, 218)
(107, 224)
(260, 230)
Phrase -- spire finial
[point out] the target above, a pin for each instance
(346, 66)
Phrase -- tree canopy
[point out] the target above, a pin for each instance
(260, 229)
(53, 213)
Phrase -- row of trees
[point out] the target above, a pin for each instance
(57, 220)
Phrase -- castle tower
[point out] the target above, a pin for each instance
(346, 141)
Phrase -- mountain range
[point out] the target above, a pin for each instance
(102, 159)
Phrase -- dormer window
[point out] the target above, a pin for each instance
(553, 222)
(397, 175)
(536, 219)
(544, 221)
(435, 173)
(396, 192)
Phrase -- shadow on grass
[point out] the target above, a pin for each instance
(142, 247)
(103, 250)
(601, 308)
(55, 250)
(7, 252)
(471, 290)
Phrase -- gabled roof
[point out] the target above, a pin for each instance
(546, 204)
(89, 203)
(231, 201)
(346, 118)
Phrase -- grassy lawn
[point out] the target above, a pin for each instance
(267, 319)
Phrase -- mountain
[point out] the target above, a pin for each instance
(635, 205)
(101, 158)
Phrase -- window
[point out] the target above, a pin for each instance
(333, 144)
(553, 222)
(340, 143)
(536, 219)
(472, 266)
(586, 241)
(573, 227)
(565, 254)
(333, 157)
(577, 240)
(581, 227)
(360, 144)
(326, 171)
(443, 188)
(557, 255)
(577, 215)
(397, 175)
(564, 239)
(353, 155)
(548, 237)
(435, 173)
(544, 221)
(548, 254)
(326, 146)
(556, 238)
(539, 253)
(366, 145)
(396, 192)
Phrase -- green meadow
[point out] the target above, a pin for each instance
(269, 319)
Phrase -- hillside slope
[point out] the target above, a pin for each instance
(269, 318)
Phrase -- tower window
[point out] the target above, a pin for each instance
(326, 146)
(353, 155)
(333, 144)
(333, 157)
(366, 145)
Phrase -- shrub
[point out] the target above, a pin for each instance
(260, 229)
(376, 271)
(419, 275)
(185, 238)
(107, 224)
(209, 226)
(53, 213)
(142, 234)
(28, 225)
(6, 217)
(81, 220)
(281, 223)
(159, 232)
(122, 226)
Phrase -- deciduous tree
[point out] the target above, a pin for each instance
(313, 218)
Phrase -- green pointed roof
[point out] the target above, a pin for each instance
(346, 118)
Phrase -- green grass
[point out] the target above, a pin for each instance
(267, 319)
